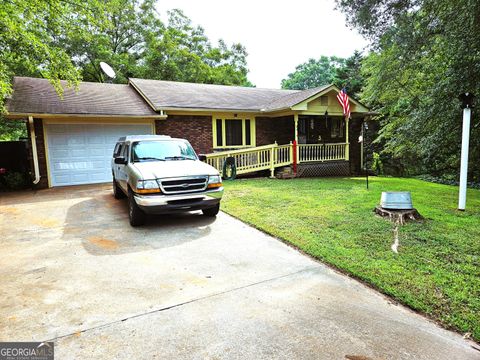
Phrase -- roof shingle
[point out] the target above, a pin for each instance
(292, 99)
(171, 94)
(141, 97)
(37, 96)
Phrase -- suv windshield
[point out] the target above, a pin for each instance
(165, 150)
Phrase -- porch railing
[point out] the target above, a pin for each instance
(322, 152)
(269, 157)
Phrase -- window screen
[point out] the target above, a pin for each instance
(219, 132)
(233, 132)
(336, 129)
(248, 140)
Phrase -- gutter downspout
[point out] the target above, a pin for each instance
(34, 150)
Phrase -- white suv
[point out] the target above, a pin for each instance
(160, 174)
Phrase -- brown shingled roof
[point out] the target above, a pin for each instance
(140, 97)
(171, 94)
(37, 96)
(292, 99)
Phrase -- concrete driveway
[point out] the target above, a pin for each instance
(187, 287)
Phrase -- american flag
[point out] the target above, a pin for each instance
(342, 98)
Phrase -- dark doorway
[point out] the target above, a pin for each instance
(314, 129)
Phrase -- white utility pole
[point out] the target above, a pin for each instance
(467, 100)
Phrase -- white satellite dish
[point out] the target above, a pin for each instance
(107, 69)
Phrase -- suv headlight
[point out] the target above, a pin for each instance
(147, 186)
(214, 181)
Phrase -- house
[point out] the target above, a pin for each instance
(75, 134)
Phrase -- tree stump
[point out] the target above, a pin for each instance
(398, 216)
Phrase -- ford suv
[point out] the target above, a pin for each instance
(159, 174)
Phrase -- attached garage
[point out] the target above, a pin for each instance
(72, 137)
(81, 153)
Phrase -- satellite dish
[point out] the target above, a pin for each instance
(107, 69)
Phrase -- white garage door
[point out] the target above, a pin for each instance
(81, 153)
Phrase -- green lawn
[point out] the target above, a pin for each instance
(437, 269)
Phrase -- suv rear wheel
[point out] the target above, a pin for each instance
(135, 214)
(211, 212)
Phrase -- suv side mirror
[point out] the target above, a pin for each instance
(202, 157)
(120, 161)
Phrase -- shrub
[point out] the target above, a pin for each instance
(13, 181)
(377, 164)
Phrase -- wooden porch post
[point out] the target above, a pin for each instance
(295, 119)
(347, 145)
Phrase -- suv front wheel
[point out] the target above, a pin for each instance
(212, 211)
(135, 214)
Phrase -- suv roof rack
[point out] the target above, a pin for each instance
(143, 137)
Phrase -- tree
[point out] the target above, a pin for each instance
(29, 32)
(67, 39)
(344, 73)
(350, 76)
(314, 73)
(28, 45)
(183, 53)
(425, 52)
(119, 41)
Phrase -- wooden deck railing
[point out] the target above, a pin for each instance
(269, 157)
(322, 152)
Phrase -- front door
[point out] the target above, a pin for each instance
(311, 130)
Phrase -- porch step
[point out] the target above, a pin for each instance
(285, 172)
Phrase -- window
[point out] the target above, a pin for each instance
(219, 132)
(162, 151)
(324, 100)
(336, 129)
(233, 132)
(124, 151)
(248, 134)
(118, 150)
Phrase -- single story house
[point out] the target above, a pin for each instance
(74, 135)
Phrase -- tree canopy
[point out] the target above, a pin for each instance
(30, 30)
(67, 39)
(182, 52)
(344, 73)
(59, 39)
(424, 54)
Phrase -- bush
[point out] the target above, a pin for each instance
(377, 164)
(13, 181)
(447, 179)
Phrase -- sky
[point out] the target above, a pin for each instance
(278, 35)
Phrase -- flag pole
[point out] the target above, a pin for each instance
(467, 102)
(365, 158)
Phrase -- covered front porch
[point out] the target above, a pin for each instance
(274, 156)
(321, 137)
(312, 134)
(318, 144)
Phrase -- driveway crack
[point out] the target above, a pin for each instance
(182, 304)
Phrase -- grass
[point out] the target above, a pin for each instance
(437, 269)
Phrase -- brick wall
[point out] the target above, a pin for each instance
(196, 129)
(42, 159)
(279, 129)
